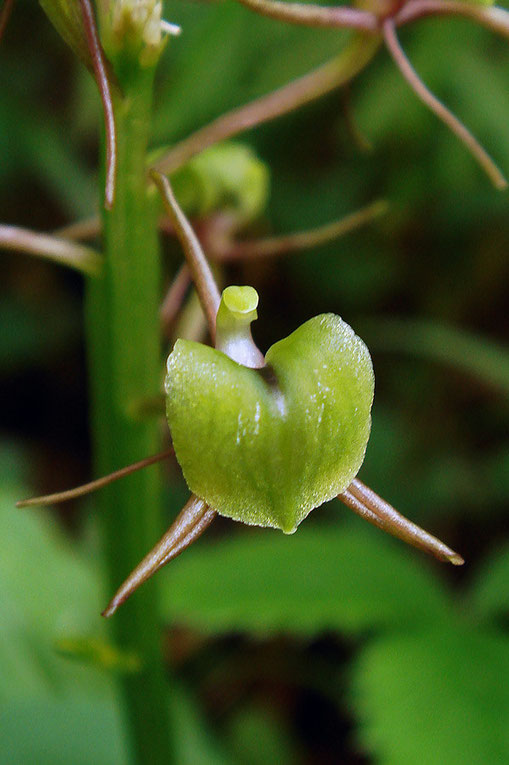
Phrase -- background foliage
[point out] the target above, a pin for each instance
(336, 644)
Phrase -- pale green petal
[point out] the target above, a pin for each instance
(267, 446)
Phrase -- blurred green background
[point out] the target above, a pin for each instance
(336, 645)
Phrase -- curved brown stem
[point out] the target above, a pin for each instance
(66, 253)
(87, 488)
(495, 19)
(336, 72)
(438, 108)
(311, 15)
(359, 138)
(280, 245)
(86, 228)
(366, 503)
(89, 228)
(203, 277)
(101, 76)
(193, 519)
(174, 298)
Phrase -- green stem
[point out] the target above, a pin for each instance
(125, 361)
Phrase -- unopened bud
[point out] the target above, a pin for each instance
(66, 17)
(135, 26)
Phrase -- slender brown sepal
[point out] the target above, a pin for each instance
(87, 488)
(54, 248)
(366, 503)
(359, 138)
(301, 240)
(299, 92)
(86, 228)
(311, 15)
(439, 109)
(203, 277)
(191, 522)
(174, 298)
(493, 18)
(103, 83)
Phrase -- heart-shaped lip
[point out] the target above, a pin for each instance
(267, 446)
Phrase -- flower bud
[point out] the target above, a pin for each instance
(228, 177)
(135, 28)
(66, 17)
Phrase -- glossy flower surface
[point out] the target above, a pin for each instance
(266, 446)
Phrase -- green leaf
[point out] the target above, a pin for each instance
(473, 354)
(54, 710)
(58, 730)
(490, 593)
(47, 591)
(225, 57)
(195, 744)
(51, 709)
(267, 446)
(348, 579)
(434, 698)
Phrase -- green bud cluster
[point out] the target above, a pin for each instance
(227, 177)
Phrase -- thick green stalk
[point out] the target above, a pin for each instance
(125, 364)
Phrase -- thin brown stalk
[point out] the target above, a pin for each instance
(77, 256)
(174, 298)
(336, 72)
(203, 277)
(99, 483)
(311, 15)
(191, 522)
(5, 14)
(87, 228)
(366, 503)
(103, 83)
(90, 228)
(438, 108)
(279, 245)
(361, 141)
(495, 19)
